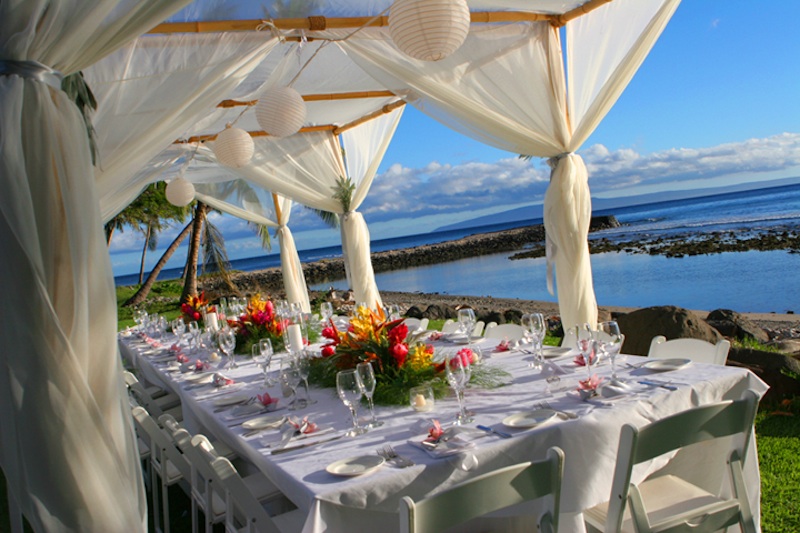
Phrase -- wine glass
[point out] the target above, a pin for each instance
(178, 328)
(587, 346)
(290, 380)
(226, 339)
(367, 375)
(458, 373)
(194, 334)
(258, 357)
(466, 317)
(350, 389)
(326, 310)
(303, 363)
(610, 340)
(266, 351)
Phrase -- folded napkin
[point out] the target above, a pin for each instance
(302, 426)
(221, 381)
(504, 346)
(182, 357)
(175, 348)
(267, 401)
(445, 442)
(553, 369)
(435, 336)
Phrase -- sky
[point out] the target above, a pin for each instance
(716, 103)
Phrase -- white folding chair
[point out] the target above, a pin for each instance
(697, 350)
(488, 493)
(478, 331)
(169, 423)
(489, 327)
(412, 323)
(170, 403)
(451, 327)
(668, 503)
(512, 332)
(245, 509)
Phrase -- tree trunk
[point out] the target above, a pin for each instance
(190, 283)
(144, 290)
(109, 233)
(144, 253)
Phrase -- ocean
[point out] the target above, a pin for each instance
(749, 281)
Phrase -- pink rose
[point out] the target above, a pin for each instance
(399, 352)
(435, 433)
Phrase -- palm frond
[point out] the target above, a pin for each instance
(263, 233)
(330, 219)
(215, 256)
(79, 92)
(343, 192)
(152, 237)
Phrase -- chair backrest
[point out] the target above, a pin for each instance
(478, 331)
(140, 394)
(570, 339)
(672, 433)
(163, 448)
(488, 493)
(697, 350)
(512, 332)
(451, 327)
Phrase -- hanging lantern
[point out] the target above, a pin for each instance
(180, 191)
(233, 147)
(429, 30)
(281, 112)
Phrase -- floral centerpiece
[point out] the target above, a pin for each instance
(192, 309)
(399, 364)
(258, 321)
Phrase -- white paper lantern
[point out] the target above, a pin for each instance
(429, 30)
(233, 147)
(180, 191)
(281, 112)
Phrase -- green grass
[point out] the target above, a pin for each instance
(750, 343)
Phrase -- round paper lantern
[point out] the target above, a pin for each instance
(180, 191)
(429, 30)
(233, 147)
(281, 112)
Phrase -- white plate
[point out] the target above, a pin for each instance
(529, 419)
(355, 466)
(263, 422)
(230, 399)
(202, 377)
(550, 352)
(664, 365)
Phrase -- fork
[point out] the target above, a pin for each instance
(388, 453)
(546, 405)
(248, 401)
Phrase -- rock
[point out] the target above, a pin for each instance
(414, 312)
(736, 326)
(603, 222)
(778, 370)
(788, 346)
(489, 315)
(513, 315)
(439, 312)
(642, 325)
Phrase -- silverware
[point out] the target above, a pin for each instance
(565, 414)
(388, 453)
(502, 434)
(658, 384)
(305, 445)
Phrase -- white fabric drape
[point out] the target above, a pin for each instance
(152, 90)
(306, 167)
(68, 447)
(507, 87)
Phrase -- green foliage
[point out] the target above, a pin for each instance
(749, 343)
(778, 438)
(78, 91)
(151, 209)
(343, 192)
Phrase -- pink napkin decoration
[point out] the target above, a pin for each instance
(199, 366)
(435, 433)
(182, 358)
(221, 381)
(504, 346)
(590, 384)
(267, 400)
(435, 336)
(304, 425)
(580, 361)
(175, 348)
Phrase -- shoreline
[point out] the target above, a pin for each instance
(528, 239)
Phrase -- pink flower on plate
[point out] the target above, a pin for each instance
(267, 400)
(590, 384)
(435, 336)
(504, 346)
(199, 366)
(435, 433)
(303, 425)
(182, 358)
(175, 348)
(221, 381)
(580, 361)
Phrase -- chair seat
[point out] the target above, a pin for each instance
(664, 498)
(286, 522)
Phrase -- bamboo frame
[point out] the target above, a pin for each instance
(317, 98)
(388, 108)
(277, 206)
(591, 5)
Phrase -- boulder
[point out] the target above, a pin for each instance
(414, 312)
(439, 312)
(488, 315)
(513, 315)
(736, 326)
(642, 325)
(780, 371)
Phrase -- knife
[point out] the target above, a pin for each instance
(658, 384)
(305, 445)
(496, 432)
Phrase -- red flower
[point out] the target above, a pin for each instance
(330, 333)
(328, 350)
(398, 333)
(399, 352)
(196, 315)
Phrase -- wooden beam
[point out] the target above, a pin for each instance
(260, 133)
(317, 98)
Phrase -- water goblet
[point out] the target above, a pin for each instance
(466, 318)
(367, 375)
(326, 310)
(458, 372)
(290, 380)
(303, 363)
(194, 335)
(226, 339)
(350, 390)
(265, 348)
(178, 328)
(610, 341)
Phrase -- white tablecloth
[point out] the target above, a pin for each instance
(369, 503)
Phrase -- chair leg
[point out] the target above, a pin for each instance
(156, 506)
(740, 491)
(165, 500)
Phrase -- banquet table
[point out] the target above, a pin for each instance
(370, 502)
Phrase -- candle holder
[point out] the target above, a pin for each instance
(421, 398)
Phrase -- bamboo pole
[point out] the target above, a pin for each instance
(277, 207)
(591, 5)
(317, 98)
(388, 108)
(328, 23)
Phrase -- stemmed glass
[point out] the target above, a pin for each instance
(587, 346)
(326, 310)
(194, 335)
(536, 329)
(367, 375)
(178, 328)
(350, 389)
(458, 373)
(610, 340)
(466, 317)
(290, 379)
(303, 363)
(266, 351)
(226, 339)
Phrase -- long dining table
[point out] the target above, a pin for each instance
(586, 430)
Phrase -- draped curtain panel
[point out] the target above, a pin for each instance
(507, 87)
(68, 448)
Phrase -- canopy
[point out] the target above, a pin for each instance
(520, 82)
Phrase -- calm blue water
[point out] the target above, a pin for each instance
(744, 281)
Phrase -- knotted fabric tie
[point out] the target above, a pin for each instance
(553, 161)
(32, 70)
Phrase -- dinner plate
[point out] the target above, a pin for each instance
(551, 352)
(664, 365)
(355, 466)
(201, 377)
(264, 422)
(231, 399)
(529, 419)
